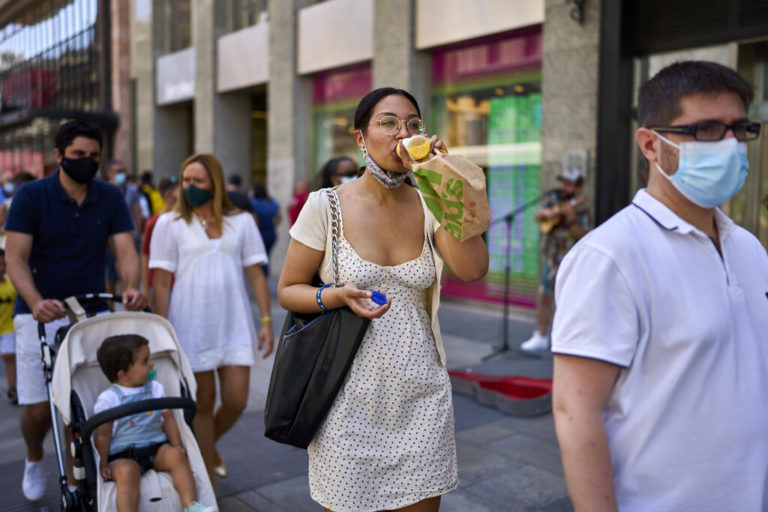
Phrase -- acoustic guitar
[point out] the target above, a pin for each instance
(547, 225)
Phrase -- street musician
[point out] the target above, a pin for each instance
(564, 219)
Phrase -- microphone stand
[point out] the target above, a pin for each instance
(504, 348)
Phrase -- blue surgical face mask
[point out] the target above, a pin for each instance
(9, 187)
(709, 173)
(120, 178)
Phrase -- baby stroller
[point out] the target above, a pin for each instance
(75, 382)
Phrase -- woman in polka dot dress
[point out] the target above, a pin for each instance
(387, 442)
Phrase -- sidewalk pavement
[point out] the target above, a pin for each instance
(505, 463)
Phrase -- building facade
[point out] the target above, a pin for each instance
(56, 64)
(524, 88)
(271, 88)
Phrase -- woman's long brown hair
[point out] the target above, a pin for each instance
(221, 205)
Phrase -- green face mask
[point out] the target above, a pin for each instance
(196, 196)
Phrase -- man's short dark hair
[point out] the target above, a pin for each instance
(658, 101)
(116, 353)
(235, 180)
(69, 131)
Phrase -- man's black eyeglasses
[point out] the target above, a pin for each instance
(710, 131)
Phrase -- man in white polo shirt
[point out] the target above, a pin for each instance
(661, 330)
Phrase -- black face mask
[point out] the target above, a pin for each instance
(82, 170)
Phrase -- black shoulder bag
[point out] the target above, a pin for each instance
(312, 359)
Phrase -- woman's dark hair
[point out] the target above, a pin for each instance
(329, 168)
(658, 101)
(116, 353)
(365, 107)
(260, 191)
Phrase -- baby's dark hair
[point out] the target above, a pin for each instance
(116, 353)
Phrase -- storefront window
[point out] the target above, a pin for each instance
(240, 14)
(486, 105)
(749, 208)
(176, 19)
(335, 97)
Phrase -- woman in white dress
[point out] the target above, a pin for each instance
(388, 440)
(204, 244)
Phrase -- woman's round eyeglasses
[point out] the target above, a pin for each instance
(391, 125)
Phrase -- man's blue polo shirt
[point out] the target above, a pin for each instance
(68, 241)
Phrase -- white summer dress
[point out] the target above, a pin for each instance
(209, 308)
(388, 440)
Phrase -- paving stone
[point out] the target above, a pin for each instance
(531, 450)
(253, 460)
(483, 434)
(235, 504)
(292, 494)
(462, 501)
(528, 488)
(469, 414)
(477, 463)
(541, 427)
(256, 502)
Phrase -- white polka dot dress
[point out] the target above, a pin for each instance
(388, 440)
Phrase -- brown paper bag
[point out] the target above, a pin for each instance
(454, 190)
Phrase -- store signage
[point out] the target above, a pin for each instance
(489, 56)
(576, 159)
(176, 77)
(342, 84)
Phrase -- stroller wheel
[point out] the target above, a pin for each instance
(69, 500)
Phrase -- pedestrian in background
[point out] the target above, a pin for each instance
(153, 196)
(337, 171)
(300, 195)
(563, 220)
(236, 195)
(660, 332)
(169, 188)
(57, 230)
(268, 212)
(20, 179)
(205, 243)
(388, 440)
(7, 335)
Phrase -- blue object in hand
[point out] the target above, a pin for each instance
(378, 297)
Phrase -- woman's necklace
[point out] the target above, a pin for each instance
(205, 222)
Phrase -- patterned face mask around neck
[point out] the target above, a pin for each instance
(387, 179)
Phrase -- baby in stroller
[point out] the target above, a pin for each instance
(131, 445)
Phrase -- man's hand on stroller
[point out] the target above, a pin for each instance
(47, 310)
(134, 300)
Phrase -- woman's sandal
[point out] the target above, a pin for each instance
(220, 469)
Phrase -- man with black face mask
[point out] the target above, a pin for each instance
(57, 231)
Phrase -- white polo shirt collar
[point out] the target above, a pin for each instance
(670, 221)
